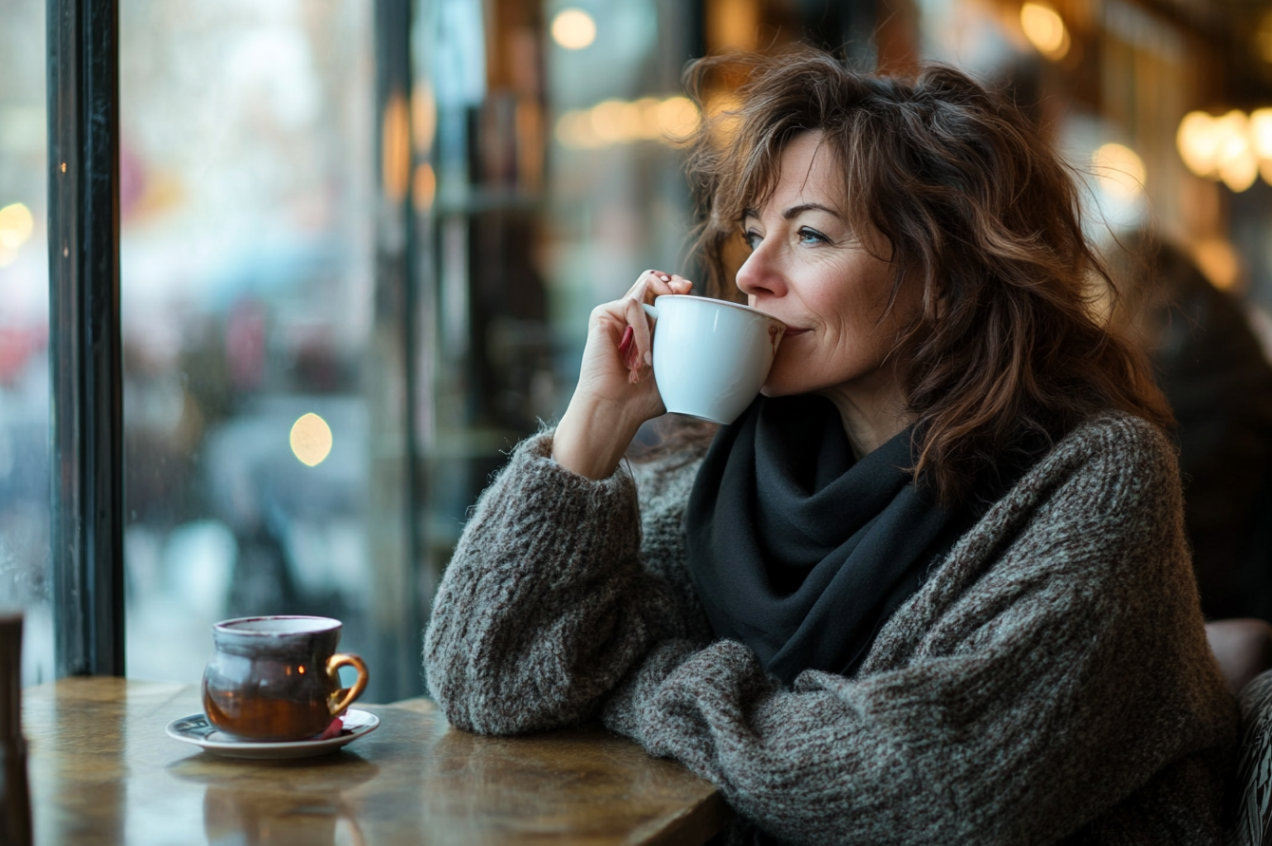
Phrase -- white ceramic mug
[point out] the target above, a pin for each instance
(711, 357)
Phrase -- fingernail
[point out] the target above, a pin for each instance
(649, 359)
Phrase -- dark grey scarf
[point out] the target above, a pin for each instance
(800, 551)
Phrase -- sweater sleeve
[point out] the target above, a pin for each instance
(1053, 666)
(546, 603)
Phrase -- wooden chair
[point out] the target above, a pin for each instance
(1243, 647)
(1244, 650)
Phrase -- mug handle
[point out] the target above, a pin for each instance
(650, 310)
(348, 694)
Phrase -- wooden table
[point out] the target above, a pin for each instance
(103, 771)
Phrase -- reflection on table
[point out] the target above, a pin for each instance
(103, 771)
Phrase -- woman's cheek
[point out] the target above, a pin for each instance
(778, 384)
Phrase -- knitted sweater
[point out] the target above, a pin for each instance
(1050, 682)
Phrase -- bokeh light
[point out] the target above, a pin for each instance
(423, 117)
(1234, 147)
(611, 122)
(1261, 132)
(1198, 142)
(678, 118)
(16, 226)
(573, 29)
(1235, 160)
(574, 130)
(616, 120)
(423, 187)
(311, 439)
(395, 153)
(1218, 262)
(1120, 170)
(1045, 30)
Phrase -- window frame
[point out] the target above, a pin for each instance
(87, 496)
(86, 382)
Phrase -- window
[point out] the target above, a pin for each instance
(24, 360)
(358, 247)
(265, 469)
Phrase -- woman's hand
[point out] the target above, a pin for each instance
(616, 392)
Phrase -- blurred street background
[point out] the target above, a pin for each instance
(307, 422)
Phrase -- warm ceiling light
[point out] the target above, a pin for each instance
(1239, 172)
(573, 29)
(1235, 160)
(1045, 29)
(1261, 132)
(1120, 170)
(1198, 142)
(1228, 147)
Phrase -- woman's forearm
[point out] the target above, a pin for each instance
(591, 438)
(544, 605)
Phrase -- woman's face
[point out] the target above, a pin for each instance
(824, 279)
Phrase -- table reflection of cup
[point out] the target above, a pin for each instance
(711, 357)
(277, 678)
(264, 818)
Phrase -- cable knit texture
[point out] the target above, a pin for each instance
(1050, 683)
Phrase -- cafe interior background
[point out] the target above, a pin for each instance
(340, 307)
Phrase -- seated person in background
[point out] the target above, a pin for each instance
(932, 586)
(1211, 367)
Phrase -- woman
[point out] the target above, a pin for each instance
(932, 586)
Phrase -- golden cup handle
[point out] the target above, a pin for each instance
(343, 698)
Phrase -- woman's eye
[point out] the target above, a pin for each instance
(811, 236)
(751, 237)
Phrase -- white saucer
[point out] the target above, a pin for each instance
(197, 730)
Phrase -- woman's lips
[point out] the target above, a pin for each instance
(792, 331)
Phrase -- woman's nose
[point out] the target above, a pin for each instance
(760, 275)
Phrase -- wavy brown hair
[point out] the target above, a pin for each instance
(1009, 352)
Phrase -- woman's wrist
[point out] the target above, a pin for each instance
(591, 441)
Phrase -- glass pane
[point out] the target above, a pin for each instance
(255, 414)
(526, 226)
(24, 308)
(548, 178)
